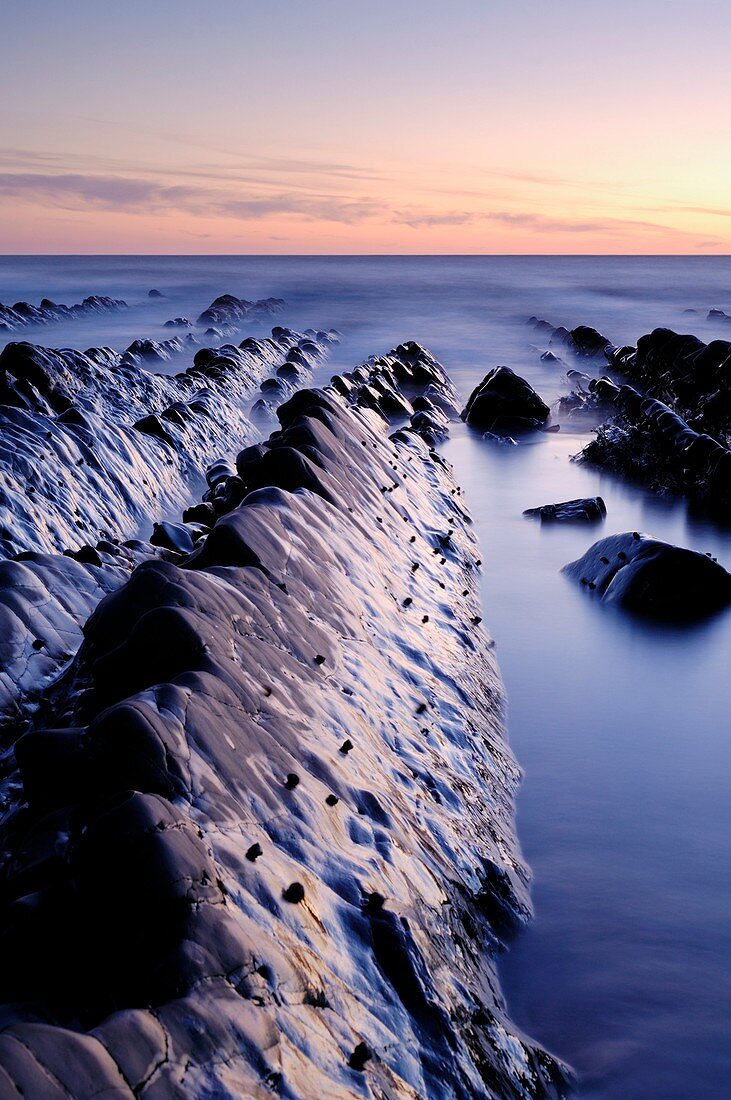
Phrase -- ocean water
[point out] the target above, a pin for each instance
(622, 728)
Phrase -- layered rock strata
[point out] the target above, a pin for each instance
(262, 841)
(24, 314)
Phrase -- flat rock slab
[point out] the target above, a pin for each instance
(653, 578)
(581, 510)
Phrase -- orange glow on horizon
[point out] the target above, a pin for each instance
(401, 128)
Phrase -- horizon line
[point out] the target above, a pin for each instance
(368, 255)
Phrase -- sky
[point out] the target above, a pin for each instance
(333, 126)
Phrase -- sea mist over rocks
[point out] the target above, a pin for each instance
(629, 899)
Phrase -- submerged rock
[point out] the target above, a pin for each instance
(504, 403)
(653, 578)
(23, 314)
(582, 341)
(581, 510)
(230, 311)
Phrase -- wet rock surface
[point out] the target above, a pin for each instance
(262, 839)
(504, 404)
(24, 314)
(229, 311)
(582, 341)
(652, 578)
(92, 444)
(581, 510)
(670, 416)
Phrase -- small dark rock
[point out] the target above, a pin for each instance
(359, 1057)
(581, 510)
(295, 893)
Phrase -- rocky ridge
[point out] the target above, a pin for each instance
(263, 838)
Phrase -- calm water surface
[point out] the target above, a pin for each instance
(622, 729)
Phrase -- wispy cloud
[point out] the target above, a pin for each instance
(99, 184)
(538, 223)
(70, 190)
(680, 208)
(73, 191)
(251, 161)
(261, 173)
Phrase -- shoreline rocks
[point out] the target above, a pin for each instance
(229, 311)
(268, 839)
(583, 341)
(24, 315)
(92, 444)
(504, 403)
(652, 578)
(581, 510)
(672, 434)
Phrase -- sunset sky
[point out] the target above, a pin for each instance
(329, 126)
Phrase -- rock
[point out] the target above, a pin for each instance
(443, 398)
(166, 879)
(23, 314)
(155, 294)
(582, 341)
(581, 510)
(652, 578)
(588, 342)
(228, 310)
(107, 444)
(172, 536)
(677, 439)
(153, 425)
(432, 426)
(153, 351)
(504, 403)
(501, 440)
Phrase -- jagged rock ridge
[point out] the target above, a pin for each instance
(92, 444)
(24, 314)
(667, 419)
(269, 843)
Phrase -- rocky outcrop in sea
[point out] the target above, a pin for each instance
(258, 821)
(665, 415)
(652, 578)
(24, 314)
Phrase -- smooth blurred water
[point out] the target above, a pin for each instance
(622, 729)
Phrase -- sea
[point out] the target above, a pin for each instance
(622, 728)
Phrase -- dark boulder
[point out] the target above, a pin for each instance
(172, 536)
(652, 578)
(581, 510)
(503, 403)
(587, 341)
